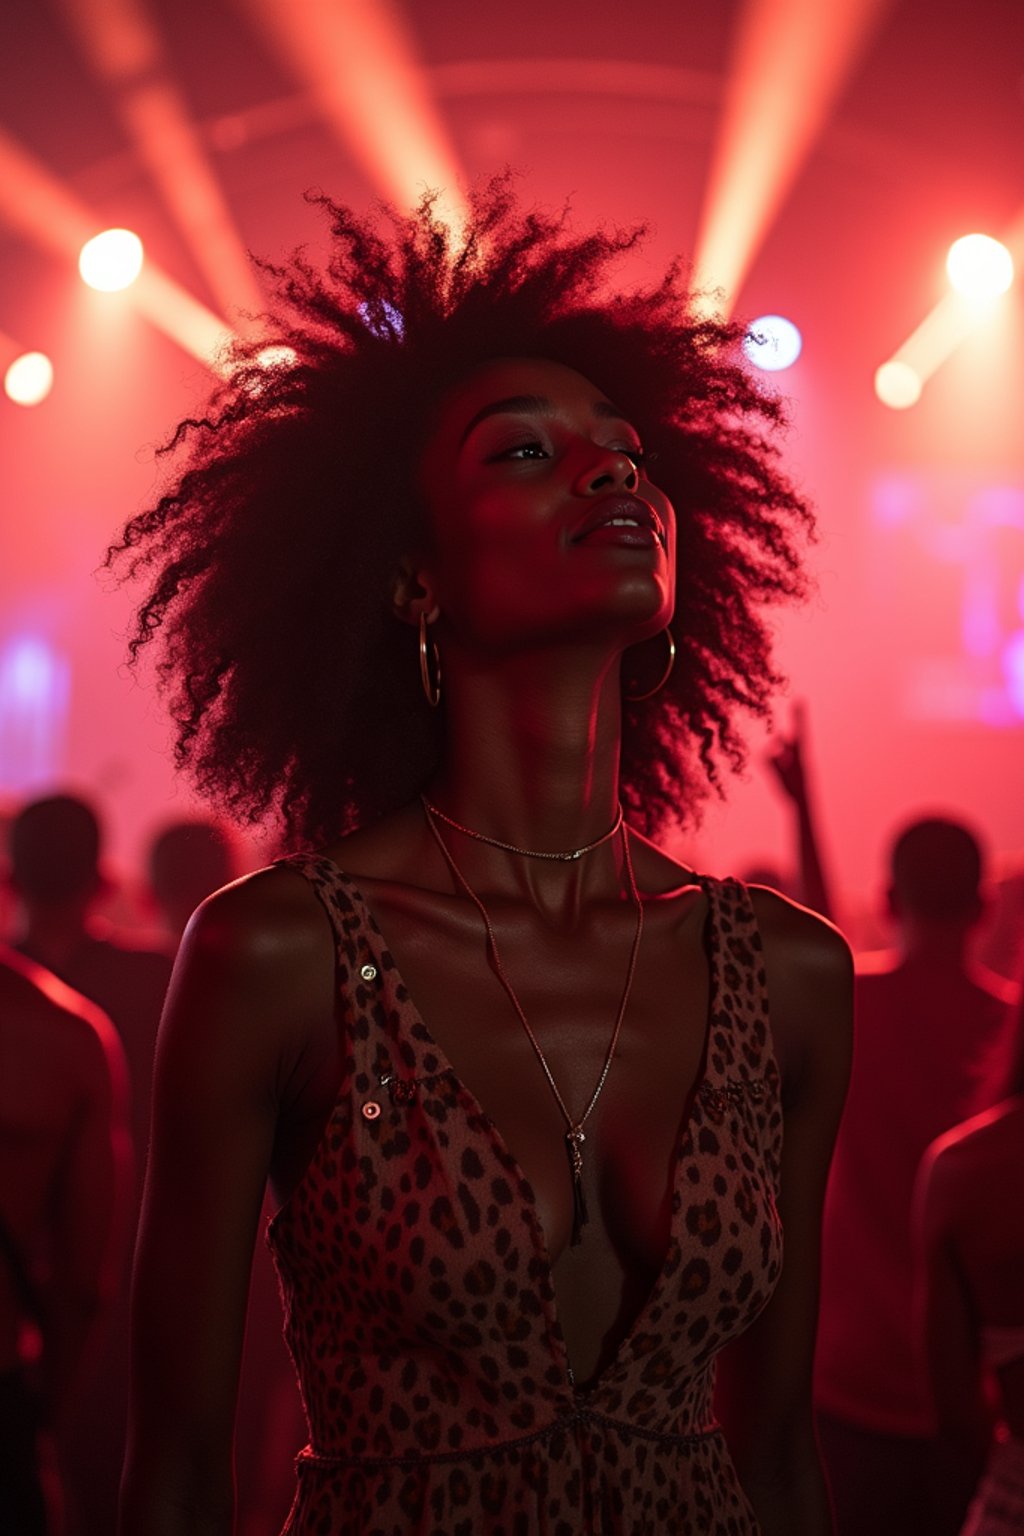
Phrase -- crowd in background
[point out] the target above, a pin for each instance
(920, 1375)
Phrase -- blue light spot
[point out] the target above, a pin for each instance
(772, 343)
(35, 689)
(383, 319)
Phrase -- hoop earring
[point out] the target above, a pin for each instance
(636, 698)
(432, 690)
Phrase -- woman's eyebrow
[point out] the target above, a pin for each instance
(511, 404)
(514, 404)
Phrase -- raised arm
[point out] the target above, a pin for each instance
(248, 979)
(765, 1377)
(787, 760)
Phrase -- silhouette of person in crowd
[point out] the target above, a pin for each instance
(970, 1232)
(928, 1022)
(65, 1191)
(186, 862)
(57, 876)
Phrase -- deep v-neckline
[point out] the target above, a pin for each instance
(711, 948)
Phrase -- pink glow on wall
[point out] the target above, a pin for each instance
(948, 557)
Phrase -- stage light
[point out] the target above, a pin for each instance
(29, 379)
(899, 381)
(111, 261)
(790, 61)
(271, 357)
(40, 206)
(277, 356)
(979, 267)
(897, 385)
(360, 64)
(383, 319)
(123, 42)
(772, 343)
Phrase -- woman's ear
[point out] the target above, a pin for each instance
(412, 594)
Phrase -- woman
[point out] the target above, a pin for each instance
(971, 1242)
(517, 1098)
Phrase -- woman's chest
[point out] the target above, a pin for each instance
(586, 1029)
(450, 1112)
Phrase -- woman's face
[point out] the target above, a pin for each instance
(545, 527)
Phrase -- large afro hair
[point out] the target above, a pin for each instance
(291, 500)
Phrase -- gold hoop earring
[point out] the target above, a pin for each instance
(432, 690)
(636, 698)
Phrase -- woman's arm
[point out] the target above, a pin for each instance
(253, 972)
(765, 1377)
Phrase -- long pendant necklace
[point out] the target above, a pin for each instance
(575, 1135)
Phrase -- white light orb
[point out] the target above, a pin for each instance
(29, 379)
(111, 261)
(979, 267)
(277, 355)
(898, 385)
(773, 343)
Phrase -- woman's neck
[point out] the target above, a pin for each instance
(532, 760)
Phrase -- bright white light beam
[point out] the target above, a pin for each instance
(37, 204)
(790, 61)
(359, 61)
(124, 46)
(950, 322)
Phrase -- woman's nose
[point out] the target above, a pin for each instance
(607, 469)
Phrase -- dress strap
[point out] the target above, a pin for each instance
(740, 1060)
(371, 1011)
(355, 957)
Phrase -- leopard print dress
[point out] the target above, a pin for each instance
(419, 1304)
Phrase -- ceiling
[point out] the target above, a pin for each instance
(617, 106)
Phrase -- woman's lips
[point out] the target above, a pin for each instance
(624, 520)
(628, 535)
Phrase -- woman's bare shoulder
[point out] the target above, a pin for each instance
(809, 970)
(267, 928)
(802, 942)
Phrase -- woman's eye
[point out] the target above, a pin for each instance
(532, 450)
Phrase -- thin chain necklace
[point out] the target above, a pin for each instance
(575, 1135)
(528, 853)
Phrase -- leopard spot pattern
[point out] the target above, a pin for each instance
(420, 1309)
